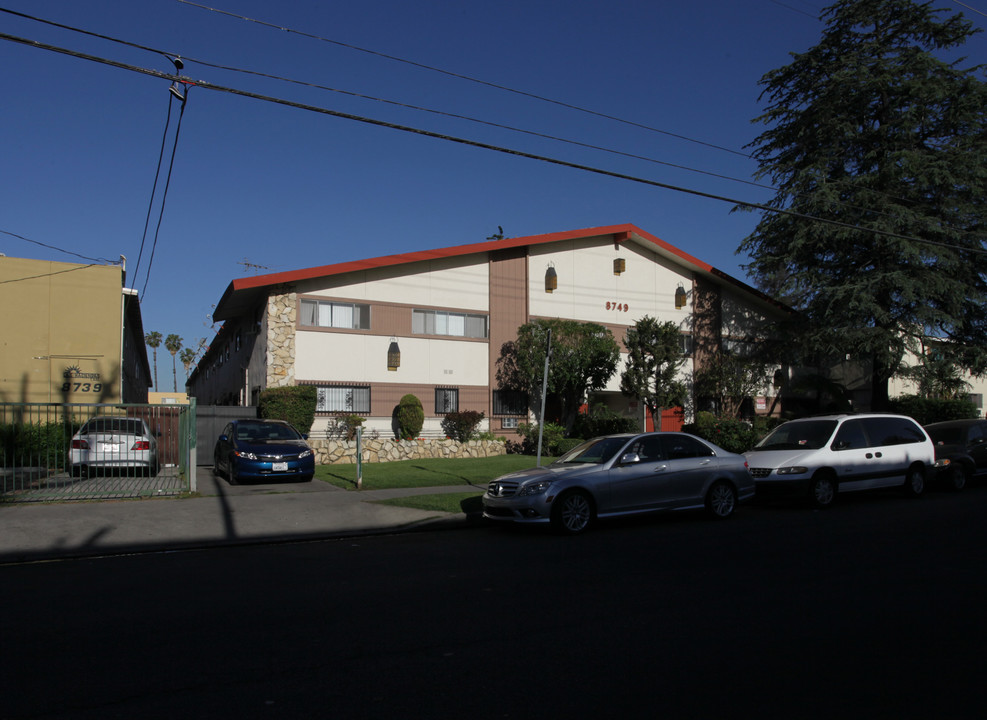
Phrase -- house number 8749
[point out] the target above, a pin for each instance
(616, 306)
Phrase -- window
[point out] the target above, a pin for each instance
(439, 322)
(685, 344)
(446, 400)
(510, 402)
(343, 399)
(353, 316)
(850, 436)
(680, 447)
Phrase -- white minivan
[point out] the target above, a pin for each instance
(822, 456)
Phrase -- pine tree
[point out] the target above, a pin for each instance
(873, 128)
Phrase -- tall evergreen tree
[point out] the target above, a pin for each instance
(876, 129)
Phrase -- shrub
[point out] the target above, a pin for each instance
(551, 439)
(294, 404)
(35, 444)
(410, 417)
(461, 425)
(730, 434)
(601, 420)
(567, 444)
(350, 423)
(930, 410)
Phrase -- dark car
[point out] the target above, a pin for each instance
(961, 450)
(263, 450)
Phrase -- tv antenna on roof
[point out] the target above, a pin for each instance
(251, 266)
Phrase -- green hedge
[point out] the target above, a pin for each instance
(732, 435)
(462, 425)
(35, 444)
(294, 404)
(929, 410)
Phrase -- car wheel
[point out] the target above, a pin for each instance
(822, 490)
(721, 500)
(914, 481)
(958, 476)
(572, 512)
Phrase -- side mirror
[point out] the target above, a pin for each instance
(630, 458)
(223, 438)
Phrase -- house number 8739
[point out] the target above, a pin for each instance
(616, 306)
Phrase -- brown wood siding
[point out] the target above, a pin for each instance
(508, 302)
(707, 322)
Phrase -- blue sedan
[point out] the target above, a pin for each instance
(263, 450)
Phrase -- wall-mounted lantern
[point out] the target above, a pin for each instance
(619, 265)
(551, 279)
(393, 355)
(680, 297)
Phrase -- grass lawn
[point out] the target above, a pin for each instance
(467, 502)
(469, 472)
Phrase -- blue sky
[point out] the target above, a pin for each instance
(258, 184)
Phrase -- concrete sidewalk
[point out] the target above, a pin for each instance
(222, 515)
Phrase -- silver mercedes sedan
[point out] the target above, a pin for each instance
(622, 475)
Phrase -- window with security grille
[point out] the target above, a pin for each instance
(510, 402)
(446, 400)
(353, 399)
(317, 313)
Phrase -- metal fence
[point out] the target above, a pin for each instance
(95, 452)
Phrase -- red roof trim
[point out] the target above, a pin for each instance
(457, 251)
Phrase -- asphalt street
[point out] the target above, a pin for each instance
(872, 609)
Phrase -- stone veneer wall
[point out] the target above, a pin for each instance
(282, 310)
(343, 452)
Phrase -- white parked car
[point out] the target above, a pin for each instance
(114, 443)
(821, 456)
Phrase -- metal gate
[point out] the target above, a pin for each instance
(59, 452)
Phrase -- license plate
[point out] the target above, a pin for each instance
(279, 467)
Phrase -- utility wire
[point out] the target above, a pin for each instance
(408, 106)
(67, 252)
(164, 197)
(469, 78)
(473, 143)
(44, 275)
(154, 186)
(205, 63)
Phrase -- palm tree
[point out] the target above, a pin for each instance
(174, 344)
(153, 341)
(188, 359)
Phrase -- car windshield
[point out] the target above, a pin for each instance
(259, 432)
(807, 435)
(946, 435)
(125, 426)
(596, 451)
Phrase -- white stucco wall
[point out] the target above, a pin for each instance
(587, 283)
(363, 358)
(456, 283)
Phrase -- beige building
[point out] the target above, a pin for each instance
(70, 333)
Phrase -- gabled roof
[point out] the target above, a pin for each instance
(243, 294)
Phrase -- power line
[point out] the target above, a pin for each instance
(469, 78)
(44, 275)
(395, 103)
(473, 143)
(172, 56)
(67, 252)
(164, 197)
